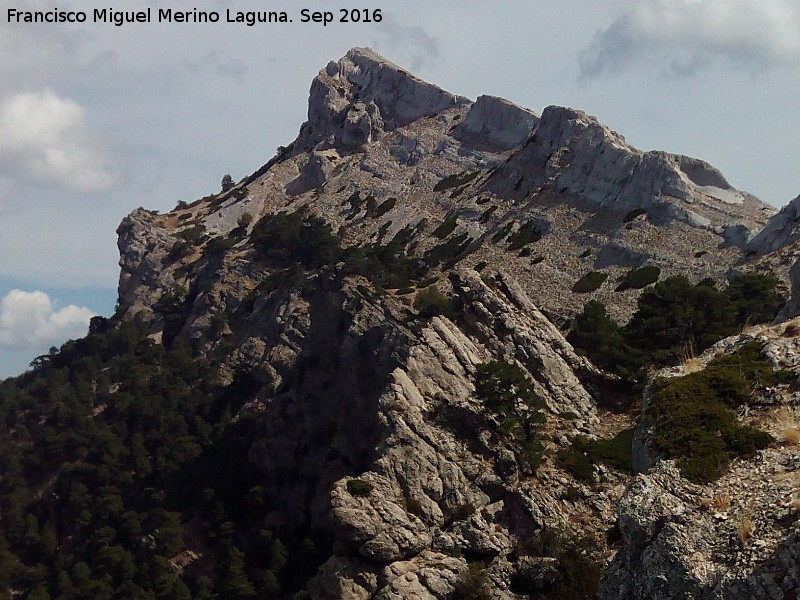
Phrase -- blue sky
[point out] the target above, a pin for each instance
(96, 120)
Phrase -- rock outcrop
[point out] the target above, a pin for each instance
(733, 538)
(496, 124)
(782, 230)
(574, 153)
(436, 235)
(355, 99)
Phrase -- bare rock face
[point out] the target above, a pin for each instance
(650, 520)
(355, 99)
(143, 247)
(504, 211)
(732, 538)
(792, 308)
(574, 153)
(496, 123)
(782, 230)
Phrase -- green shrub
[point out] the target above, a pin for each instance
(578, 571)
(384, 207)
(487, 214)
(292, 237)
(451, 251)
(244, 220)
(501, 233)
(671, 316)
(192, 235)
(427, 282)
(754, 298)
(387, 265)
(597, 336)
(474, 585)
(354, 200)
(219, 245)
(579, 459)
(528, 233)
(695, 417)
(675, 314)
(636, 279)
(447, 227)
(359, 488)
(455, 180)
(510, 396)
(431, 302)
(589, 282)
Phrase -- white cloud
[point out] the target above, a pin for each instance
(31, 320)
(690, 33)
(44, 140)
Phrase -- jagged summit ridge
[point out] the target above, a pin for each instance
(362, 94)
(372, 405)
(573, 152)
(358, 99)
(497, 123)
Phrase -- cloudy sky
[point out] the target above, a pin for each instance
(96, 120)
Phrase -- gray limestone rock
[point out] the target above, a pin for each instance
(496, 124)
(355, 99)
(782, 230)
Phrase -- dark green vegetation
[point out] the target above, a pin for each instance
(474, 584)
(528, 233)
(449, 252)
(501, 233)
(383, 208)
(447, 227)
(453, 181)
(598, 336)
(673, 317)
(589, 282)
(580, 458)
(359, 488)
(577, 572)
(637, 279)
(695, 416)
(285, 239)
(509, 395)
(431, 302)
(116, 451)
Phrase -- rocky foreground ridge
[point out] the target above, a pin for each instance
(509, 210)
(374, 424)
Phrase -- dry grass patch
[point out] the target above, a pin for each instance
(788, 425)
(721, 502)
(745, 528)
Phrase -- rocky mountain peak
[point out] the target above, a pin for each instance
(572, 152)
(361, 94)
(782, 230)
(497, 124)
(384, 305)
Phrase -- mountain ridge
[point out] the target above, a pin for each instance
(377, 320)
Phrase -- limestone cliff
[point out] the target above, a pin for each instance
(490, 211)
